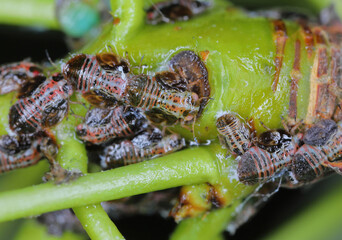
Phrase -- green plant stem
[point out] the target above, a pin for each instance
(33, 230)
(97, 223)
(73, 156)
(205, 227)
(32, 13)
(131, 15)
(191, 166)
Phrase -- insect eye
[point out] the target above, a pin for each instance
(67, 88)
(186, 113)
(57, 77)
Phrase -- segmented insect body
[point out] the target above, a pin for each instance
(194, 75)
(14, 75)
(147, 94)
(102, 79)
(141, 148)
(233, 133)
(333, 150)
(45, 107)
(307, 167)
(259, 165)
(319, 156)
(104, 124)
(176, 10)
(22, 151)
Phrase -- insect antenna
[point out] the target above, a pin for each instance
(268, 195)
(261, 197)
(264, 126)
(141, 66)
(165, 19)
(49, 58)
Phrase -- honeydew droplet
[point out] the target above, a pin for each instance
(78, 18)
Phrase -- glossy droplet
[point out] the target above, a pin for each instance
(78, 18)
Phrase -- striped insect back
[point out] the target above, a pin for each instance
(333, 147)
(274, 152)
(99, 78)
(307, 166)
(233, 133)
(145, 93)
(45, 107)
(143, 147)
(104, 124)
(14, 75)
(320, 154)
(22, 151)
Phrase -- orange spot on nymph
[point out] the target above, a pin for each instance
(204, 55)
(116, 21)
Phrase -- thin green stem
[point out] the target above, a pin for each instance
(205, 227)
(33, 13)
(73, 156)
(191, 166)
(130, 14)
(97, 223)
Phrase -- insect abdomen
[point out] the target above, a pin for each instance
(42, 109)
(14, 75)
(306, 165)
(24, 117)
(86, 75)
(333, 147)
(124, 121)
(234, 134)
(258, 165)
(127, 153)
(21, 157)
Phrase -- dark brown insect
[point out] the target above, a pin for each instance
(22, 150)
(175, 10)
(194, 74)
(320, 155)
(233, 134)
(274, 152)
(14, 75)
(45, 107)
(104, 124)
(145, 146)
(102, 79)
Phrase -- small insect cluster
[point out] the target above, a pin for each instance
(126, 109)
(42, 102)
(296, 159)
